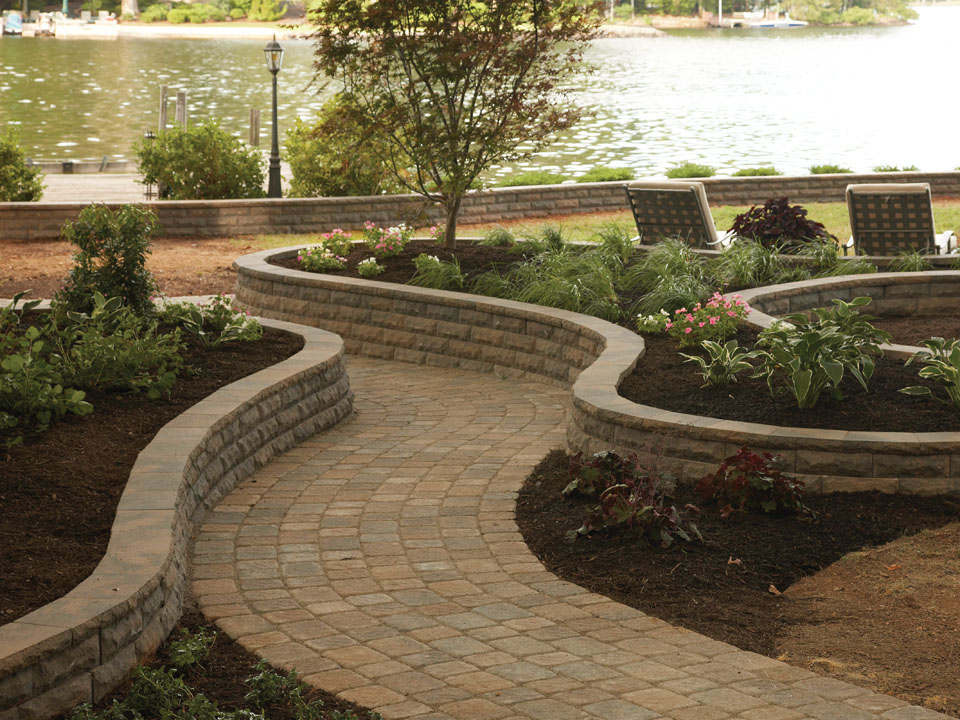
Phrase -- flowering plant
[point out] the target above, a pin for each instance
(713, 320)
(437, 231)
(369, 268)
(386, 242)
(337, 241)
(318, 258)
(656, 323)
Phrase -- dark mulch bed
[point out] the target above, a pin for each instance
(59, 490)
(474, 259)
(883, 408)
(723, 586)
(911, 330)
(223, 672)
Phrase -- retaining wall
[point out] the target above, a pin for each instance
(217, 218)
(589, 356)
(76, 649)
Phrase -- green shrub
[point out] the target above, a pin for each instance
(18, 181)
(432, 272)
(201, 13)
(336, 157)
(179, 15)
(498, 237)
(757, 171)
(828, 169)
(858, 16)
(202, 162)
(894, 168)
(606, 174)
(532, 177)
(266, 10)
(237, 13)
(112, 248)
(690, 170)
(214, 322)
(154, 13)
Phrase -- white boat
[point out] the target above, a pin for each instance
(785, 22)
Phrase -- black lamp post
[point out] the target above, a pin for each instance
(274, 54)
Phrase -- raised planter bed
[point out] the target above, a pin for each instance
(591, 356)
(77, 648)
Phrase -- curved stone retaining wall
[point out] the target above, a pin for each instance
(590, 356)
(77, 648)
(218, 218)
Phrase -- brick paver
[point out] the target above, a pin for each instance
(381, 559)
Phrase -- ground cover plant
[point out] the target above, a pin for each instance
(689, 169)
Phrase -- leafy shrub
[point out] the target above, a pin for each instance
(190, 649)
(752, 482)
(757, 171)
(154, 13)
(778, 222)
(828, 169)
(237, 13)
(179, 15)
(112, 248)
(432, 272)
(498, 237)
(910, 260)
(201, 13)
(858, 16)
(629, 497)
(809, 356)
(369, 268)
(606, 174)
(201, 162)
(214, 322)
(336, 156)
(715, 319)
(319, 258)
(18, 181)
(266, 10)
(112, 348)
(723, 362)
(532, 177)
(690, 170)
(894, 168)
(942, 364)
(386, 242)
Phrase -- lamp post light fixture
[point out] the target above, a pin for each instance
(274, 55)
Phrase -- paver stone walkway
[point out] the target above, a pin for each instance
(382, 561)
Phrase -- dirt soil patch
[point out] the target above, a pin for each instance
(881, 616)
(59, 490)
(679, 387)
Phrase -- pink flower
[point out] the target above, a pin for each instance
(701, 324)
(731, 313)
(713, 321)
(688, 331)
(689, 318)
(668, 325)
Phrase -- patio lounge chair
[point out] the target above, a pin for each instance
(888, 218)
(667, 210)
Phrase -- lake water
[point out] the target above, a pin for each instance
(856, 97)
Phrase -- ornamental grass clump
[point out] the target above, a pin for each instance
(630, 496)
(751, 263)
(669, 276)
(432, 272)
(807, 356)
(752, 482)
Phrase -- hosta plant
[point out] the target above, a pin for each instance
(753, 482)
(723, 362)
(214, 322)
(631, 498)
(809, 356)
(942, 364)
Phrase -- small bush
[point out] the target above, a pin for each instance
(606, 174)
(336, 156)
(202, 162)
(369, 268)
(894, 168)
(112, 248)
(237, 14)
(630, 497)
(154, 13)
(669, 276)
(828, 169)
(690, 170)
(757, 172)
(320, 258)
(179, 16)
(778, 222)
(18, 181)
(716, 319)
(266, 10)
(200, 13)
(532, 177)
(386, 242)
(337, 241)
(858, 16)
(752, 482)
(214, 322)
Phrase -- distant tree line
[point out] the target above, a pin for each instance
(821, 12)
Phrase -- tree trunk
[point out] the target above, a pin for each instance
(129, 7)
(450, 232)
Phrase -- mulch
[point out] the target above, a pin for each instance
(59, 490)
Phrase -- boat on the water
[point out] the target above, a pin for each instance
(13, 24)
(785, 22)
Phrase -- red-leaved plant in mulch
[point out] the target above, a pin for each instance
(752, 482)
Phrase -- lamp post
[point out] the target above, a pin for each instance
(274, 55)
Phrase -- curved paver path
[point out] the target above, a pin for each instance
(381, 560)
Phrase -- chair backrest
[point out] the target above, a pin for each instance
(666, 210)
(887, 218)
